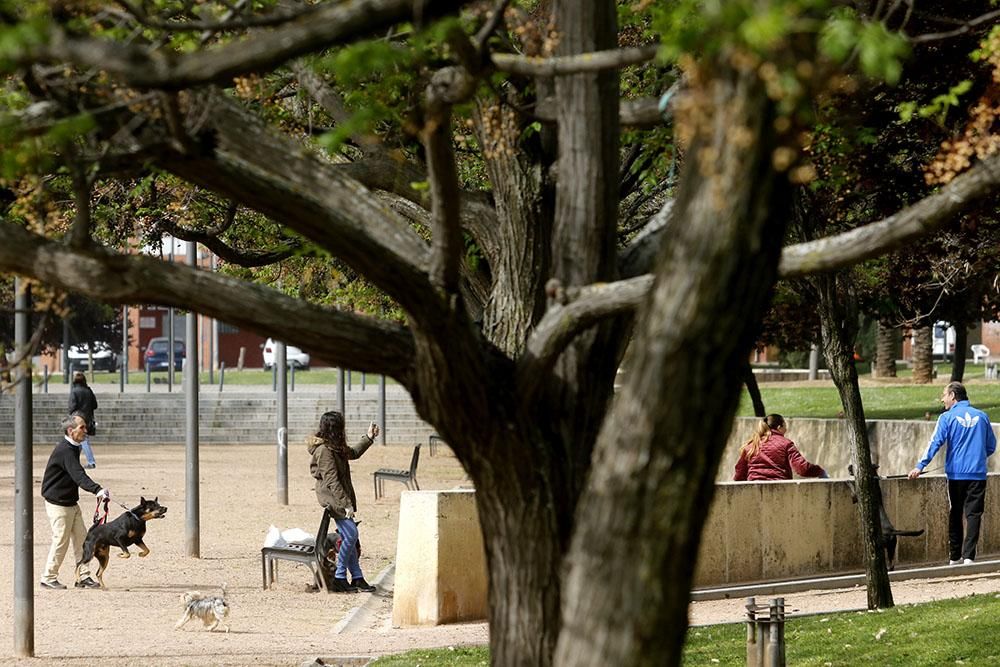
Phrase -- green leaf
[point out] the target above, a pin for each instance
(839, 35)
(881, 52)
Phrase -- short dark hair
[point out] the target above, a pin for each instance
(958, 390)
(79, 378)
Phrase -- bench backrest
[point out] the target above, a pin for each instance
(413, 461)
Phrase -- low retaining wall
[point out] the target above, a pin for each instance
(896, 444)
(756, 532)
(759, 531)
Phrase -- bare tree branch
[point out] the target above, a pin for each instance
(79, 235)
(584, 62)
(572, 312)
(640, 112)
(638, 258)
(246, 161)
(143, 67)
(341, 337)
(447, 87)
(321, 91)
(920, 219)
(228, 253)
(963, 28)
(261, 21)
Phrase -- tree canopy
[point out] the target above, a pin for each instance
(490, 202)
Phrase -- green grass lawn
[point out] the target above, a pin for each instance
(250, 376)
(886, 401)
(947, 632)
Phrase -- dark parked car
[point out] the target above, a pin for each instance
(157, 354)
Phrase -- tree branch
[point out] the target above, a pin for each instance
(640, 112)
(244, 160)
(927, 215)
(79, 235)
(639, 257)
(143, 67)
(571, 312)
(329, 99)
(262, 21)
(596, 61)
(340, 337)
(227, 252)
(963, 28)
(447, 86)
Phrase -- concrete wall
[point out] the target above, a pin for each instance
(440, 560)
(896, 444)
(756, 531)
(759, 531)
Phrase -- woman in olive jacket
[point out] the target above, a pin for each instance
(334, 490)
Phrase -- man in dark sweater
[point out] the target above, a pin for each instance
(61, 484)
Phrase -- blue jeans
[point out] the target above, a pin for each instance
(88, 452)
(347, 557)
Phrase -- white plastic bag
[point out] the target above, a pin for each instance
(273, 538)
(298, 536)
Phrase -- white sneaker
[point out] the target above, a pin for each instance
(968, 561)
(954, 562)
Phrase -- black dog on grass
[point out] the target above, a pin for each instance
(123, 532)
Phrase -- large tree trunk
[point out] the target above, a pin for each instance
(838, 318)
(961, 345)
(639, 522)
(885, 350)
(923, 355)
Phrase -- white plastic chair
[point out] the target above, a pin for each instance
(979, 352)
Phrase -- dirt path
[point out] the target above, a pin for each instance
(825, 601)
(132, 623)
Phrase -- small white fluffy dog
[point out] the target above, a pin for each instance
(211, 609)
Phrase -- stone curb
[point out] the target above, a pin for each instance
(358, 616)
(844, 581)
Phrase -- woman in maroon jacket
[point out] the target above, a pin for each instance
(770, 455)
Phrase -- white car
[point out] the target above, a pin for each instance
(294, 357)
(105, 358)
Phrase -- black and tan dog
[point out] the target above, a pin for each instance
(123, 532)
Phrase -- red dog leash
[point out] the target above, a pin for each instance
(98, 517)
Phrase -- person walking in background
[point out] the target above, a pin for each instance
(61, 484)
(769, 455)
(83, 402)
(331, 469)
(970, 439)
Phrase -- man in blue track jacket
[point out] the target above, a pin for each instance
(970, 439)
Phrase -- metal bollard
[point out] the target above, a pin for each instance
(350, 375)
(45, 378)
(147, 378)
(274, 377)
(222, 375)
(766, 633)
(362, 380)
(293, 377)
